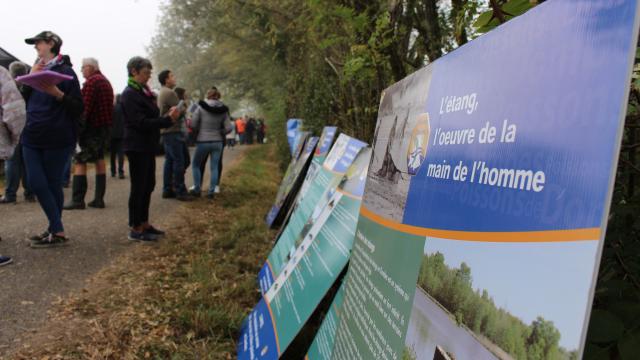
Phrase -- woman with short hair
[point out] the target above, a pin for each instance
(142, 124)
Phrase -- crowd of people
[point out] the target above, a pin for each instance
(50, 124)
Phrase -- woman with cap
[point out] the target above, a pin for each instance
(49, 136)
(142, 124)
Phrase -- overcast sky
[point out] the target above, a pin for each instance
(112, 31)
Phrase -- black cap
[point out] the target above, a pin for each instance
(45, 35)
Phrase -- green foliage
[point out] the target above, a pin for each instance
(453, 289)
(408, 354)
(614, 329)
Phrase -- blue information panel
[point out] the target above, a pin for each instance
(294, 126)
(489, 188)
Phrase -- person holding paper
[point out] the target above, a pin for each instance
(173, 140)
(49, 137)
(142, 126)
(12, 119)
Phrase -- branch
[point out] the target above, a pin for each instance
(497, 11)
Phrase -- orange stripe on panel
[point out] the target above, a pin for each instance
(586, 234)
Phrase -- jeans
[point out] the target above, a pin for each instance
(14, 171)
(45, 169)
(203, 164)
(142, 174)
(214, 149)
(174, 164)
(117, 153)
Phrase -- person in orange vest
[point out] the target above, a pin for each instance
(240, 128)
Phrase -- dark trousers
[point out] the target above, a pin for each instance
(142, 174)
(45, 169)
(117, 153)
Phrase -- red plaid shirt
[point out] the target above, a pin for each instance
(97, 95)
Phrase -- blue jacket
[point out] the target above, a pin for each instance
(142, 121)
(52, 124)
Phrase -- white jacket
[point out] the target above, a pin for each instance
(13, 114)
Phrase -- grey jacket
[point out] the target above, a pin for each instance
(211, 121)
(12, 114)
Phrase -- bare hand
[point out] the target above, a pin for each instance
(174, 113)
(39, 66)
(51, 89)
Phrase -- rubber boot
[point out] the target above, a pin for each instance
(78, 191)
(101, 188)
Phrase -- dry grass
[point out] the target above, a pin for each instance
(186, 297)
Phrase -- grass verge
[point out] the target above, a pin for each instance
(184, 298)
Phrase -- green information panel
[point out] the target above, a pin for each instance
(309, 206)
(314, 267)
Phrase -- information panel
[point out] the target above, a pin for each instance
(292, 178)
(294, 127)
(322, 150)
(322, 344)
(489, 188)
(308, 207)
(314, 267)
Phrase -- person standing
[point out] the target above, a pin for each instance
(240, 128)
(173, 140)
(93, 136)
(182, 96)
(261, 131)
(142, 124)
(12, 118)
(14, 166)
(250, 131)
(231, 137)
(212, 122)
(117, 133)
(50, 134)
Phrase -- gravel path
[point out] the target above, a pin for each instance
(40, 276)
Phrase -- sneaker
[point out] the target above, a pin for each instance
(6, 200)
(39, 237)
(216, 190)
(142, 237)
(5, 260)
(52, 240)
(168, 195)
(113, 175)
(153, 231)
(121, 176)
(193, 187)
(210, 196)
(194, 193)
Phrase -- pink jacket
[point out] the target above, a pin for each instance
(13, 114)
